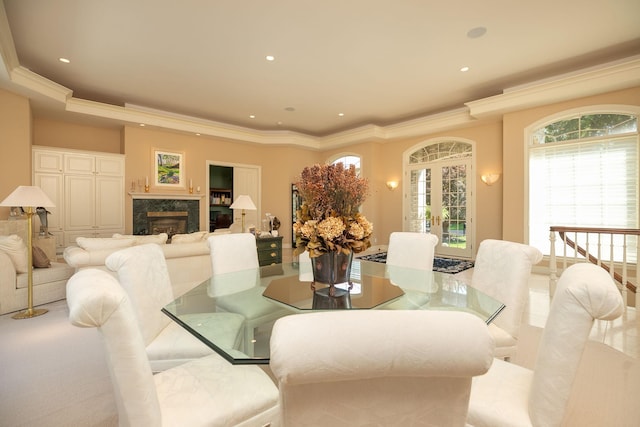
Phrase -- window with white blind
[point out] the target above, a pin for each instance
(583, 171)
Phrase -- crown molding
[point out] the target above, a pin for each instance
(36, 83)
(8, 54)
(591, 81)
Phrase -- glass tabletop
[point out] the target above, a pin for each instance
(241, 307)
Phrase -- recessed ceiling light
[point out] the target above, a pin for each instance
(474, 33)
(340, 114)
(270, 58)
(197, 134)
(279, 123)
(142, 124)
(65, 60)
(252, 116)
(464, 69)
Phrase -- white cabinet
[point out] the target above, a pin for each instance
(88, 190)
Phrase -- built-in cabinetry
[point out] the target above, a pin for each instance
(87, 189)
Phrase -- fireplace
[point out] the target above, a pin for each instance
(170, 222)
(165, 215)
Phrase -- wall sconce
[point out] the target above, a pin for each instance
(392, 185)
(490, 178)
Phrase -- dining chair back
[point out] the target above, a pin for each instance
(511, 395)
(233, 252)
(142, 272)
(501, 271)
(238, 254)
(204, 392)
(378, 367)
(413, 250)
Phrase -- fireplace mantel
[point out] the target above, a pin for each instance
(165, 196)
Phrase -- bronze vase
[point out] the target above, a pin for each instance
(330, 269)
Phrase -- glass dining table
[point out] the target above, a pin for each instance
(261, 296)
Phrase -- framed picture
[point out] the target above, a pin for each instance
(169, 169)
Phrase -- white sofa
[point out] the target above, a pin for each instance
(188, 258)
(49, 284)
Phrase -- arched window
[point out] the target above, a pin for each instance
(583, 171)
(347, 161)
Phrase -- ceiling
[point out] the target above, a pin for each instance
(375, 62)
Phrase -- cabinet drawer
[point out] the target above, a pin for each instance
(269, 250)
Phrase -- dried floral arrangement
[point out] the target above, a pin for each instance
(329, 218)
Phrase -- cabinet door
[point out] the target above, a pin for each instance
(52, 185)
(109, 196)
(113, 166)
(79, 164)
(47, 161)
(79, 206)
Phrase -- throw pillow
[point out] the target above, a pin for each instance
(95, 243)
(17, 251)
(197, 236)
(141, 239)
(40, 259)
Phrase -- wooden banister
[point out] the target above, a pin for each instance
(610, 265)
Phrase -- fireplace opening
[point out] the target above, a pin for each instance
(170, 222)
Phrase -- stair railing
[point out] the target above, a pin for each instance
(612, 252)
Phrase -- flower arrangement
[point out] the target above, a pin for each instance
(328, 219)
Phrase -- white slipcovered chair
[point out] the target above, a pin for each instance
(409, 265)
(413, 250)
(378, 367)
(238, 253)
(510, 395)
(502, 271)
(204, 392)
(142, 272)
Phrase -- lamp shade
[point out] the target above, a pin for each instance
(243, 202)
(28, 196)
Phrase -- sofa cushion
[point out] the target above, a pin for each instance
(159, 239)
(95, 243)
(39, 258)
(16, 249)
(197, 236)
(59, 272)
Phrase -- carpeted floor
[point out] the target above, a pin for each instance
(442, 265)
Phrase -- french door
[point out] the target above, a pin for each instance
(437, 198)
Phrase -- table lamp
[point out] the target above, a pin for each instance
(243, 202)
(29, 197)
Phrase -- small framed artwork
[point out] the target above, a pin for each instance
(169, 169)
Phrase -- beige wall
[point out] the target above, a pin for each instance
(15, 141)
(53, 133)
(499, 148)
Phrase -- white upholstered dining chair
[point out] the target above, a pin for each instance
(413, 250)
(142, 272)
(512, 396)
(501, 271)
(409, 265)
(238, 253)
(378, 367)
(204, 392)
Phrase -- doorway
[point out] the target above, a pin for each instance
(438, 188)
(227, 181)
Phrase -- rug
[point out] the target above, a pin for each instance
(442, 265)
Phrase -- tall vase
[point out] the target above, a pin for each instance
(330, 269)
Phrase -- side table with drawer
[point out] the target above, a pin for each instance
(269, 250)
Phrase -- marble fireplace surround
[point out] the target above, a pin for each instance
(154, 202)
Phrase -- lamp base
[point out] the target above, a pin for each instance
(29, 313)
